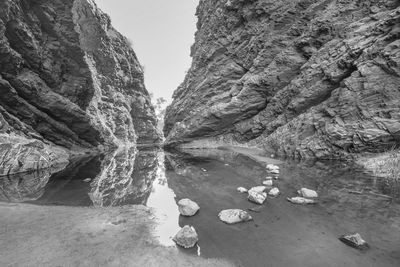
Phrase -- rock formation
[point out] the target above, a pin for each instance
(68, 82)
(306, 78)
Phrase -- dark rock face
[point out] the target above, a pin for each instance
(308, 79)
(68, 81)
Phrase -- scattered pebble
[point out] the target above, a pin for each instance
(187, 207)
(268, 183)
(301, 200)
(232, 216)
(259, 189)
(241, 190)
(257, 197)
(204, 170)
(87, 180)
(308, 193)
(354, 240)
(186, 237)
(274, 192)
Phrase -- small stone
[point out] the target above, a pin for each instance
(232, 216)
(241, 190)
(204, 170)
(308, 193)
(187, 207)
(87, 180)
(268, 178)
(276, 171)
(272, 167)
(354, 241)
(268, 183)
(301, 200)
(274, 192)
(259, 189)
(257, 197)
(186, 237)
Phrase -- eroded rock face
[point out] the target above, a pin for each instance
(308, 79)
(68, 80)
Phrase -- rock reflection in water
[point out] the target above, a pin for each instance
(126, 177)
(24, 186)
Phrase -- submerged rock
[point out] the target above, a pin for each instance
(307, 193)
(187, 207)
(301, 200)
(232, 216)
(354, 241)
(274, 192)
(257, 197)
(241, 190)
(186, 237)
(87, 180)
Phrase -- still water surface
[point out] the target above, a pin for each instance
(282, 234)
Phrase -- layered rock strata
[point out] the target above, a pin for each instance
(306, 78)
(68, 82)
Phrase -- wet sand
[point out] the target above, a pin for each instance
(75, 236)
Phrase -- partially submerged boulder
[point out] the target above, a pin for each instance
(354, 240)
(241, 190)
(232, 216)
(301, 200)
(307, 193)
(187, 207)
(274, 192)
(257, 197)
(186, 237)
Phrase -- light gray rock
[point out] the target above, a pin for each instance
(307, 193)
(241, 190)
(257, 197)
(258, 189)
(187, 207)
(354, 240)
(268, 183)
(232, 216)
(301, 200)
(274, 192)
(187, 237)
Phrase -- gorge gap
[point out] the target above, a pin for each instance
(304, 78)
(69, 84)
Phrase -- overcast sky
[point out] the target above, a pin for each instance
(162, 32)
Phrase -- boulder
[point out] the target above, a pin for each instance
(301, 200)
(354, 240)
(274, 192)
(271, 167)
(187, 207)
(241, 190)
(307, 193)
(186, 237)
(257, 197)
(232, 216)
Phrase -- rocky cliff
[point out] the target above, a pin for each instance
(69, 82)
(305, 78)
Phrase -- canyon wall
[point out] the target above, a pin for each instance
(303, 78)
(69, 83)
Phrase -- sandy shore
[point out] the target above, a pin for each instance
(67, 236)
